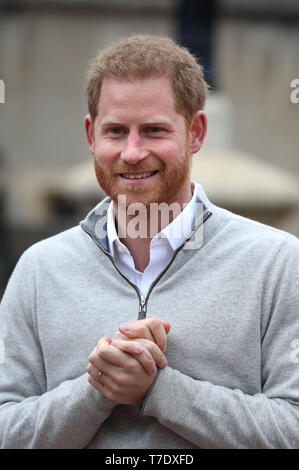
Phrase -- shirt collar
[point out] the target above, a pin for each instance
(177, 231)
(111, 229)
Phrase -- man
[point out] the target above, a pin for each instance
(189, 338)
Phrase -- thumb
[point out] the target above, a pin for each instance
(102, 343)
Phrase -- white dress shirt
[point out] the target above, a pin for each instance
(162, 246)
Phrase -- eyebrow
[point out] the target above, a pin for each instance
(157, 120)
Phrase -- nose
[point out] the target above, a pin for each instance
(133, 151)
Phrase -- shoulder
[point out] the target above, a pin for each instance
(265, 253)
(263, 233)
(237, 231)
(65, 248)
(244, 230)
(60, 241)
(255, 246)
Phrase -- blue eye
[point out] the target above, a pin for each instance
(153, 130)
(116, 130)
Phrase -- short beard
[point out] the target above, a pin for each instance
(171, 181)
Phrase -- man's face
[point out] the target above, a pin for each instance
(140, 142)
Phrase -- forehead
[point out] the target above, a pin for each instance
(143, 96)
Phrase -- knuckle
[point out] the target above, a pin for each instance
(150, 354)
(133, 345)
(141, 329)
(92, 361)
(151, 365)
(130, 366)
(151, 346)
(118, 382)
(155, 321)
(100, 352)
(145, 342)
(153, 349)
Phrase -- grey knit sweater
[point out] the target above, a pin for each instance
(232, 379)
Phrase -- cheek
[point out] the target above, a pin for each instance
(105, 152)
(170, 151)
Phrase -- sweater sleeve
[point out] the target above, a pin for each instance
(214, 416)
(31, 416)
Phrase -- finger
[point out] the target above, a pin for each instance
(157, 329)
(155, 351)
(118, 335)
(97, 360)
(94, 357)
(113, 357)
(103, 345)
(97, 385)
(94, 372)
(107, 387)
(102, 366)
(148, 328)
(136, 329)
(142, 355)
(128, 346)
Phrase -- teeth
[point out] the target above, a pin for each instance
(144, 175)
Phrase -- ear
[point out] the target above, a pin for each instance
(89, 129)
(197, 131)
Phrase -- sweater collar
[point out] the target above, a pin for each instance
(95, 223)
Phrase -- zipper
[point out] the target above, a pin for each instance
(142, 307)
(143, 300)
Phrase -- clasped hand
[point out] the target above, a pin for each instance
(123, 368)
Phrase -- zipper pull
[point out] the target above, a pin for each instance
(142, 307)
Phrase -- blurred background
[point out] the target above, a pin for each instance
(250, 161)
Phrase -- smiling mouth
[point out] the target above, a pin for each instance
(138, 176)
